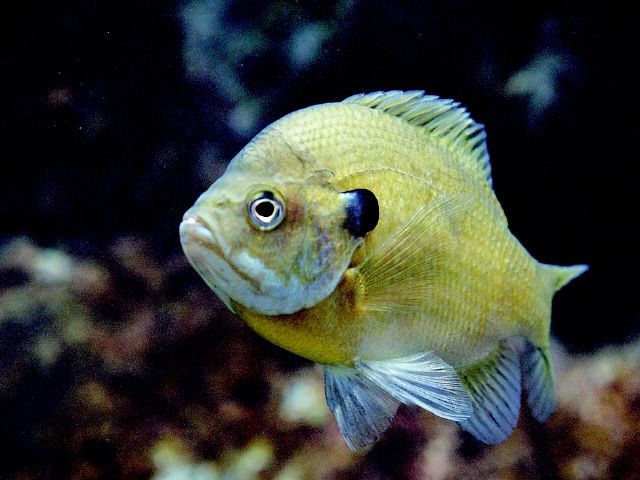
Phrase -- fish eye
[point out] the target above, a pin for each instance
(266, 210)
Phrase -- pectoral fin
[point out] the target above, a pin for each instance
(494, 387)
(398, 274)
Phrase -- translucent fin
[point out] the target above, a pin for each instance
(363, 410)
(564, 275)
(537, 379)
(424, 380)
(443, 119)
(494, 386)
(398, 274)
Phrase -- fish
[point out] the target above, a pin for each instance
(365, 235)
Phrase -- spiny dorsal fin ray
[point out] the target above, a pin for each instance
(399, 273)
(494, 386)
(442, 118)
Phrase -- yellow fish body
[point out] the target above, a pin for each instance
(365, 235)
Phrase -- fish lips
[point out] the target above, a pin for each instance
(197, 231)
(205, 248)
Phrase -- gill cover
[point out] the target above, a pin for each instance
(275, 248)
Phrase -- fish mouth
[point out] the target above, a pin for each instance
(206, 249)
(200, 229)
(230, 274)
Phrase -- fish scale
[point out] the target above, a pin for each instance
(384, 255)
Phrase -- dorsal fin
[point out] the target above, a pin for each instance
(444, 119)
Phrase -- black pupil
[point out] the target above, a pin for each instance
(265, 208)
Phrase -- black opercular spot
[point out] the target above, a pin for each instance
(362, 211)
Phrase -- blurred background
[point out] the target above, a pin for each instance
(117, 362)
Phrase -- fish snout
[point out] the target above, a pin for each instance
(193, 227)
(200, 229)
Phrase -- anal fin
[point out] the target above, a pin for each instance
(537, 379)
(494, 386)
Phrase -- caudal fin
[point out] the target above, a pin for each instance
(564, 275)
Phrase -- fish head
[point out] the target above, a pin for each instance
(274, 245)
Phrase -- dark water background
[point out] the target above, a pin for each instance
(114, 116)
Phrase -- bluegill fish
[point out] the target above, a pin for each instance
(365, 235)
